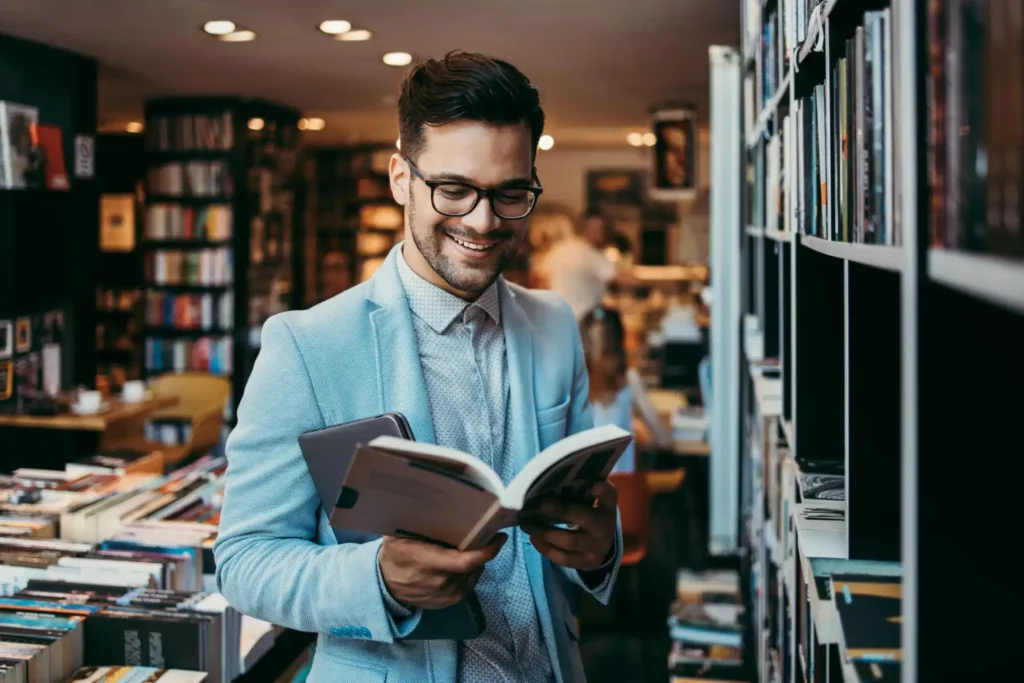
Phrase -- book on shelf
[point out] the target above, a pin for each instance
(201, 354)
(167, 221)
(457, 500)
(975, 118)
(196, 267)
(191, 132)
(192, 179)
(844, 137)
(207, 311)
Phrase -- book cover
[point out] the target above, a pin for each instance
(16, 146)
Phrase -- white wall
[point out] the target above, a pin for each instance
(563, 173)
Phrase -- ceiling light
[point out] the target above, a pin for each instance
(238, 37)
(133, 127)
(635, 139)
(359, 34)
(314, 124)
(649, 139)
(219, 28)
(398, 143)
(398, 59)
(303, 124)
(546, 142)
(255, 124)
(335, 26)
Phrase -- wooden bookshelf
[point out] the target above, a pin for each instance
(898, 324)
(221, 241)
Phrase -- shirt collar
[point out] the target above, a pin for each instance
(438, 308)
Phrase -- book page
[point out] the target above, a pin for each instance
(466, 466)
(568, 468)
(399, 496)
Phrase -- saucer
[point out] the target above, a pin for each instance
(79, 410)
(142, 399)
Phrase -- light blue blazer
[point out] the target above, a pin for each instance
(351, 357)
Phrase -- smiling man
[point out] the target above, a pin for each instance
(472, 362)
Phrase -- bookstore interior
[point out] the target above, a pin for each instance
(828, 223)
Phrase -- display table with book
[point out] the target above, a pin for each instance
(56, 439)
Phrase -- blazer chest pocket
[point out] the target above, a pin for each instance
(551, 423)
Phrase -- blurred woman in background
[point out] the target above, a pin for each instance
(610, 396)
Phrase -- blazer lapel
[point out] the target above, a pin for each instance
(525, 442)
(401, 385)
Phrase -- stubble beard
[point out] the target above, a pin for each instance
(470, 280)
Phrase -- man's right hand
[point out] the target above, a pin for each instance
(428, 576)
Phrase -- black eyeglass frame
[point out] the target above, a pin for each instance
(480, 193)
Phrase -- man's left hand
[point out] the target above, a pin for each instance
(587, 547)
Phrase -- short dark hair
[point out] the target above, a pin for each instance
(465, 86)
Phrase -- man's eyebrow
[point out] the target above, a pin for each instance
(523, 181)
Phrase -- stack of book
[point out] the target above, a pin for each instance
(149, 627)
(136, 674)
(36, 646)
(706, 627)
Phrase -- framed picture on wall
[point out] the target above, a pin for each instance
(674, 172)
(6, 379)
(23, 335)
(6, 339)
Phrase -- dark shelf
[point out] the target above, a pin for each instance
(188, 289)
(189, 200)
(164, 156)
(184, 244)
(175, 332)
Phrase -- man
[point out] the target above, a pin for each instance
(473, 363)
(577, 268)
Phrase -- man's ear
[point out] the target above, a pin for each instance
(398, 173)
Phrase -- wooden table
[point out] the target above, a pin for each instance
(120, 423)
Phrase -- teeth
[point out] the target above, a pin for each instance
(467, 245)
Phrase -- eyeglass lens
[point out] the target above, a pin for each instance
(454, 199)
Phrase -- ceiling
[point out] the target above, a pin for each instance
(599, 64)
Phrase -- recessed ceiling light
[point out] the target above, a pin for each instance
(303, 124)
(546, 142)
(335, 26)
(359, 34)
(635, 139)
(398, 143)
(219, 28)
(650, 139)
(315, 124)
(238, 37)
(398, 59)
(133, 127)
(256, 124)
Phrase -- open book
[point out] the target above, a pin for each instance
(397, 487)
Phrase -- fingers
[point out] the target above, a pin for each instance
(562, 557)
(450, 561)
(571, 541)
(560, 512)
(607, 495)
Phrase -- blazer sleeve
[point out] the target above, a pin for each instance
(598, 583)
(268, 563)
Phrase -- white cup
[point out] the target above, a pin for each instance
(133, 391)
(89, 401)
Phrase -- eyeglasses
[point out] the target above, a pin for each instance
(459, 199)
